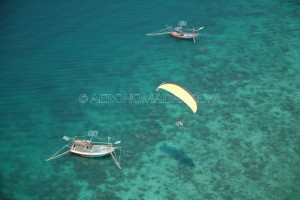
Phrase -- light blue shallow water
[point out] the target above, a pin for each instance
(243, 143)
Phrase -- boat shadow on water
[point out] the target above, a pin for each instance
(178, 155)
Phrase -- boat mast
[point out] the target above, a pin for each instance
(194, 35)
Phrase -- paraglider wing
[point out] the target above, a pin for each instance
(181, 93)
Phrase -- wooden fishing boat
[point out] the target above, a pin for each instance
(179, 31)
(90, 148)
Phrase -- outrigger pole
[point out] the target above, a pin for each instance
(109, 145)
(196, 29)
(59, 155)
(161, 32)
(54, 157)
(114, 158)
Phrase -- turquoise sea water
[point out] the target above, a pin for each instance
(242, 145)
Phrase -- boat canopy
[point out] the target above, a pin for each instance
(84, 143)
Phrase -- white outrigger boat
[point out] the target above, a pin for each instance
(90, 148)
(179, 31)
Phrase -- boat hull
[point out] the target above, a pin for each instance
(96, 151)
(184, 35)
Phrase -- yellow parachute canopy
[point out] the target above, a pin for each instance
(181, 93)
